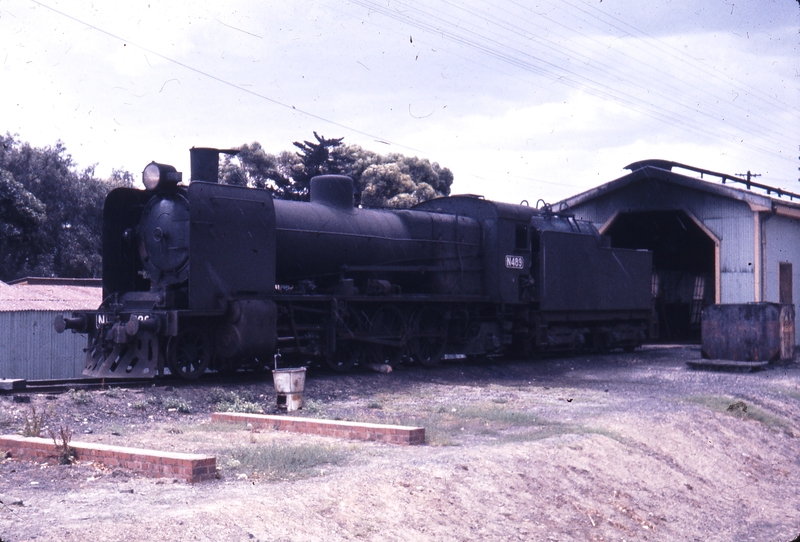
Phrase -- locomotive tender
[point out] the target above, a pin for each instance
(210, 276)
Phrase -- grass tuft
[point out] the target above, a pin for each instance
(743, 410)
(313, 408)
(280, 461)
(557, 430)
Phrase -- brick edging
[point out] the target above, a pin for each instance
(392, 434)
(190, 467)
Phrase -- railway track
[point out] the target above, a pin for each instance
(53, 386)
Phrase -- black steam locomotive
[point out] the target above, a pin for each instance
(210, 276)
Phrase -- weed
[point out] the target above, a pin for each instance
(118, 430)
(80, 397)
(312, 408)
(556, 430)
(375, 405)
(142, 404)
(742, 410)
(6, 421)
(232, 402)
(139, 405)
(65, 453)
(197, 432)
(446, 424)
(240, 406)
(34, 423)
(218, 395)
(112, 392)
(502, 416)
(279, 461)
(173, 403)
(793, 393)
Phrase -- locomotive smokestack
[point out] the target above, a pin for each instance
(205, 163)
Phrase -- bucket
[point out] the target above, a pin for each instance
(289, 384)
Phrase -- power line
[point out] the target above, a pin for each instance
(663, 82)
(226, 82)
(677, 54)
(430, 21)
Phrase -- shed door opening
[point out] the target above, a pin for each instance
(683, 262)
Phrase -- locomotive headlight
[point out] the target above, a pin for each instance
(157, 176)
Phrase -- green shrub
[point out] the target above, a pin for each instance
(174, 403)
(139, 405)
(230, 401)
(80, 397)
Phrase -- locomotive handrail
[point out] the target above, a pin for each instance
(379, 237)
(407, 268)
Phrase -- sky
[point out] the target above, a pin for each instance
(521, 99)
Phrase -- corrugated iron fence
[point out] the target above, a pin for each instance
(31, 349)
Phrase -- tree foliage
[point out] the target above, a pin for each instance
(391, 180)
(50, 214)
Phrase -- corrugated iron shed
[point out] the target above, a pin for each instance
(29, 346)
(713, 242)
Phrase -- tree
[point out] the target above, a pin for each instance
(21, 218)
(258, 169)
(51, 214)
(316, 160)
(401, 181)
(393, 180)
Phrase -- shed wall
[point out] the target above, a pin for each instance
(782, 236)
(736, 254)
(31, 349)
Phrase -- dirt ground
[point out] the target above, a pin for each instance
(615, 447)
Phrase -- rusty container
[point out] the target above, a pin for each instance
(748, 332)
(289, 384)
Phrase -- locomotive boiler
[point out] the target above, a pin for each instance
(210, 276)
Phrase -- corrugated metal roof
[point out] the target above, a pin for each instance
(44, 295)
(650, 170)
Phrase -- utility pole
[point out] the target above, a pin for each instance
(749, 175)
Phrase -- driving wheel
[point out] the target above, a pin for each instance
(349, 350)
(428, 336)
(387, 333)
(189, 353)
